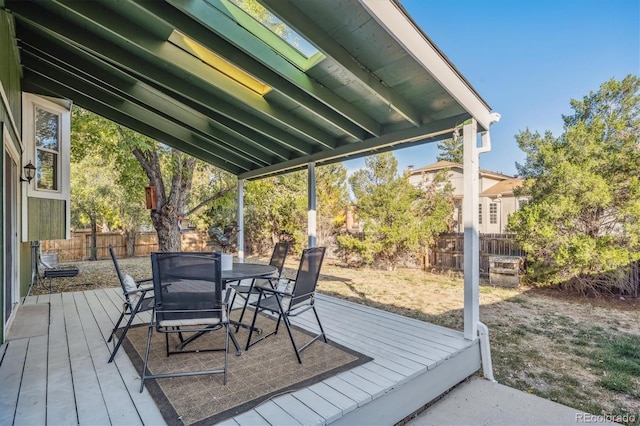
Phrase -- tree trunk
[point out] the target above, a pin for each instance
(173, 204)
(165, 221)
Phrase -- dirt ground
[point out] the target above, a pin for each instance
(545, 342)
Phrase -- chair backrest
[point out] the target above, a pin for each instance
(187, 285)
(307, 276)
(120, 276)
(279, 255)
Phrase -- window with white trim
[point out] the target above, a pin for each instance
(522, 202)
(47, 149)
(480, 214)
(493, 213)
(46, 135)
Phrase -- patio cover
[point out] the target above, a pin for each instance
(343, 79)
(336, 80)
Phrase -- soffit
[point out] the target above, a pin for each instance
(367, 93)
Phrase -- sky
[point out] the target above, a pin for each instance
(527, 59)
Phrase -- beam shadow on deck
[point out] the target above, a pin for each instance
(64, 378)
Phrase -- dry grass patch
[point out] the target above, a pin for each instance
(584, 353)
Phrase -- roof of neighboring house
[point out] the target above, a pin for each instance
(505, 187)
(450, 165)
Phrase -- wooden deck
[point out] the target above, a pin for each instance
(63, 378)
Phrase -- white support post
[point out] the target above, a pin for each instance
(311, 213)
(471, 237)
(240, 216)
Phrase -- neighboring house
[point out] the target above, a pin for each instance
(496, 199)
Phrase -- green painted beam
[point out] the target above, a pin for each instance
(207, 102)
(130, 115)
(116, 81)
(212, 17)
(39, 84)
(232, 54)
(164, 54)
(289, 13)
(432, 131)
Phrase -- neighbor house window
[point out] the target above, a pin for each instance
(493, 213)
(523, 202)
(480, 214)
(47, 144)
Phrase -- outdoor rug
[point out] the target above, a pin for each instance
(266, 370)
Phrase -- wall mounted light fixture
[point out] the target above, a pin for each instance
(29, 172)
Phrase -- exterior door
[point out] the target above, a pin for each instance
(10, 230)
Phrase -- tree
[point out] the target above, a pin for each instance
(398, 219)
(103, 181)
(583, 218)
(332, 201)
(131, 157)
(451, 150)
(276, 210)
(91, 196)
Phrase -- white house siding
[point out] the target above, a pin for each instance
(494, 188)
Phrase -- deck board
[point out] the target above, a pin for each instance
(60, 396)
(299, 411)
(324, 408)
(275, 415)
(10, 377)
(90, 405)
(119, 406)
(82, 388)
(33, 396)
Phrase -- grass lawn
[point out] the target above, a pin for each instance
(584, 353)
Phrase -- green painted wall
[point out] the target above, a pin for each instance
(46, 219)
(10, 74)
(11, 110)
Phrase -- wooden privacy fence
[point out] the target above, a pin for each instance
(79, 246)
(448, 251)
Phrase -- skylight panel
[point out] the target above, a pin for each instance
(274, 24)
(218, 63)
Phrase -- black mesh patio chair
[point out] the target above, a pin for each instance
(188, 301)
(138, 297)
(246, 290)
(296, 297)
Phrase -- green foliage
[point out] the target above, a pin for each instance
(451, 150)
(107, 184)
(582, 221)
(398, 219)
(332, 200)
(213, 196)
(276, 208)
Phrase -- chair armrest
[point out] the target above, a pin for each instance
(138, 290)
(138, 282)
(273, 290)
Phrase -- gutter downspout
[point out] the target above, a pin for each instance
(473, 326)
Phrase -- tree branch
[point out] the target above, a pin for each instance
(214, 197)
